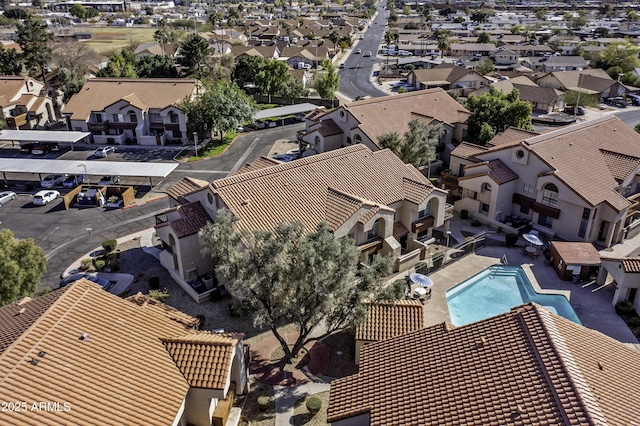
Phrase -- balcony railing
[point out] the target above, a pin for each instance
(17, 121)
(449, 180)
(123, 125)
(448, 211)
(98, 127)
(172, 126)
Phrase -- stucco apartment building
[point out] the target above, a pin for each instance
(525, 367)
(24, 103)
(95, 358)
(386, 206)
(362, 122)
(579, 183)
(143, 111)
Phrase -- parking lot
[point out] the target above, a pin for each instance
(122, 153)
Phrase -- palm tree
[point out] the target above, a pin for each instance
(443, 43)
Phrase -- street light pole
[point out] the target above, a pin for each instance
(91, 239)
(195, 141)
(448, 235)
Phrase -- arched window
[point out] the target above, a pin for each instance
(317, 140)
(486, 186)
(425, 212)
(375, 231)
(550, 195)
(357, 138)
(173, 117)
(133, 117)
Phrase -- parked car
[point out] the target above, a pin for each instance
(103, 151)
(571, 110)
(105, 284)
(44, 197)
(367, 54)
(285, 158)
(109, 180)
(52, 180)
(272, 123)
(357, 51)
(72, 181)
(618, 101)
(6, 196)
(27, 147)
(341, 65)
(635, 99)
(42, 149)
(261, 125)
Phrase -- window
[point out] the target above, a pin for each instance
(529, 188)
(524, 209)
(117, 118)
(210, 198)
(485, 207)
(155, 117)
(426, 212)
(374, 232)
(99, 118)
(357, 139)
(486, 186)
(550, 195)
(583, 222)
(173, 117)
(133, 117)
(545, 221)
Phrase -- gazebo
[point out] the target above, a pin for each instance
(573, 260)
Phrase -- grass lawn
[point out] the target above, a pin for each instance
(214, 147)
(108, 38)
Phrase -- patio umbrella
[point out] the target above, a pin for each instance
(421, 280)
(533, 239)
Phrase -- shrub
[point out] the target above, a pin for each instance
(159, 295)
(624, 309)
(314, 404)
(154, 283)
(402, 90)
(109, 245)
(511, 239)
(633, 322)
(264, 402)
(100, 265)
(86, 264)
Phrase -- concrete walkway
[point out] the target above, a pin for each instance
(286, 397)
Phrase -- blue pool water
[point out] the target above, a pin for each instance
(496, 290)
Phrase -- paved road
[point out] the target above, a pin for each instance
(63, 234)
(631, 116)
(356, 74)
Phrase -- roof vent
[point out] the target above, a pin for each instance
(482, 342)
(246, 202)
(85, 337)
(22, 311)
(34, 361)
(520, 409)
(600, 366)
(41, 354)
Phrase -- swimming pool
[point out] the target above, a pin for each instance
(496, 290)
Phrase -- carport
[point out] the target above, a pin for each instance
(286, 110)
(44, 136)
(92, 168)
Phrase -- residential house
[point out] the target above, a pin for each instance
(80, 355)
(447, 77)
(594, 82)
(625, 274)
(364, 121)
(529, 49)
(579, 183)
(527, 366)
(25, 104)
(155, 49)
(386, 206)
(267, 52)
(143, 111)
(310, 54)
(556, 63)
(471, 49)
(543, 99)
(505, 59)
(386, 319)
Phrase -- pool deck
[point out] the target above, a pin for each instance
(595, 309)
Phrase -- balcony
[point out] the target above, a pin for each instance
(448, 211)
(172, 126)
(17, 121)
(98, 127)
(370, 246)
(123, 125)
(450, 181)
(422, 224)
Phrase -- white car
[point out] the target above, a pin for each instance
(42, 198)
(52, 180)
(6, 196)
(357, 51)
(103, 151)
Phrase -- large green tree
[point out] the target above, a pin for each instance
(220, 106)
(290, 276)
(494, 112)
(327, 82)
(623, 54)
(79, 11)
(246, 70)
(34, 39)
(272, 78)
(194, 50)
(443, 43)
(121, 64)
(156, 66)
(10, 62)
(417, 146)
(22, 264)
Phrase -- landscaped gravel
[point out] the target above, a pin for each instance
(134, 261)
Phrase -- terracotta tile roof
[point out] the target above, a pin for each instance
(576, 253)
(308, 189)
(527, 366)
(158, 93)
(399, 230)
(621, 165)
(466, 150)
(120, 373)
(185, 186)
(387, 319)
(9, 88)
(326, 127)
(340, 207)
(393, 113)
(193, 217)
(17, 317)
(204, 358)
(574, 154)
(441, 74)
(258, 164)
(498, 171)
(631, 265)
(511, 136)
